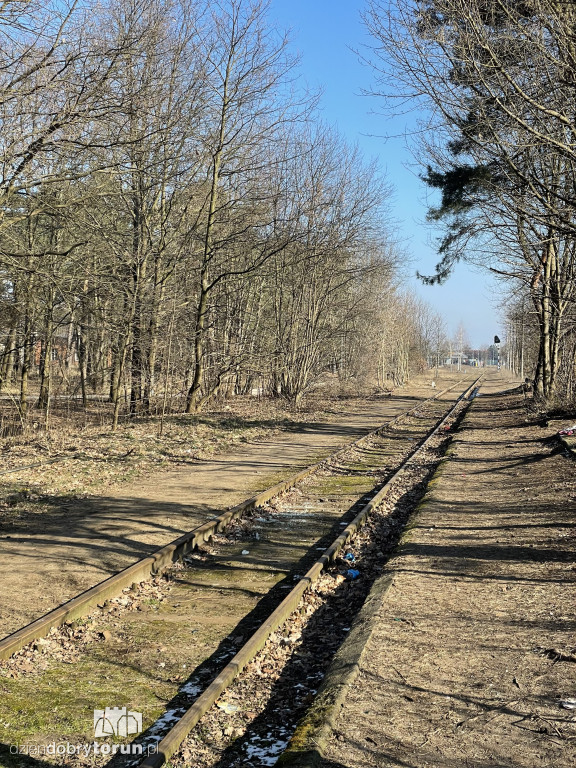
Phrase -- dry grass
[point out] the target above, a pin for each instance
(91, 458)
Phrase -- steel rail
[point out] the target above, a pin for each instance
(176, 735)
(163, 558)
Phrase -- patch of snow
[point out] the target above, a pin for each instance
(269, 748)
(191, 689)
(163, 723)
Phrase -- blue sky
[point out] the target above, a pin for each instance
(324, 32)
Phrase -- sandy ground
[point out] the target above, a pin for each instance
(48, 558)
(472, 659)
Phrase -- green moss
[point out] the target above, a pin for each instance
(58, 704)
(341, 485)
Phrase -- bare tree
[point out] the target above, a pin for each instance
(495, 79)
(248, 73)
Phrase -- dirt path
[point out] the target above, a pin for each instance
(473, 647)
(47, 558)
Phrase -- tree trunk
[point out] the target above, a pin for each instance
(46, 363)
(153, 326)
(27, 343)
(193, 399)
(7, 365)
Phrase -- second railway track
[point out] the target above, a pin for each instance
(156, 647)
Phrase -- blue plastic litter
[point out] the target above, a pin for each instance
(352, 573)
(349, 556)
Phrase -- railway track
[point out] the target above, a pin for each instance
(338, 493)
(163, 558)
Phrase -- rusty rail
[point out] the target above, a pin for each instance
(174, 738)
(164, 557)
